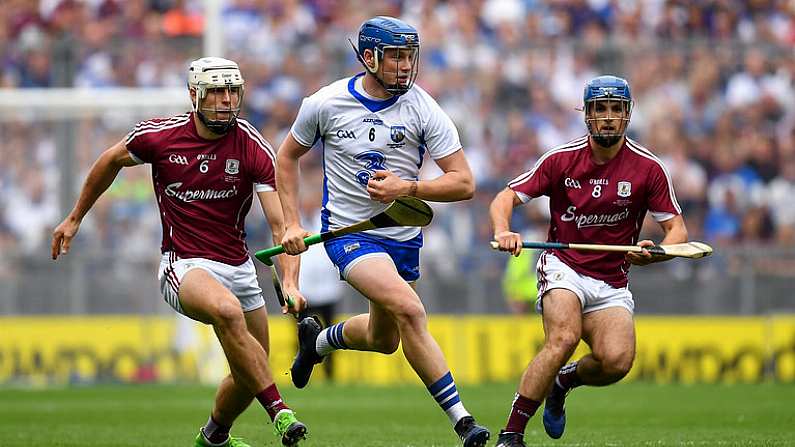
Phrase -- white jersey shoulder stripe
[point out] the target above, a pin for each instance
(159, 121)
(156, 128)
(154, 125)
(574, 145)
(137, 133)
(643, 152)
(562, 148)
(150, 123)
(252, 132)
(529, 174)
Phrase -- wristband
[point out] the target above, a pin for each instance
(413, 189)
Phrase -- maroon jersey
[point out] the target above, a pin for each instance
(204, 188)
(599, 204)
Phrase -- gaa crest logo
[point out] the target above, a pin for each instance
(624, 189)
(397, 133)
(232, 166)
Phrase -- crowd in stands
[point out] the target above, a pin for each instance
(713, 83)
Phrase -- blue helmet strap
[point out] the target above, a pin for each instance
(361, 58)
(614, 126)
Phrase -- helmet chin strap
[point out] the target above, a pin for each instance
(374, 71)
(217, 127)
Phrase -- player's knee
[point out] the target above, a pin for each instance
(617, 365)
(410, 313)
(563, 342)
(227, 312)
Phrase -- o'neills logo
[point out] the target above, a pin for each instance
(189, 195)
(593, 220)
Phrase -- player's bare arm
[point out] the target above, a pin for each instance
(289, 265)
(100, 177)
(287, 178)
(675, 233)
(500, 212)
(455, 184)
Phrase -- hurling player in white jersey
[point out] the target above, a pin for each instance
(600, 188)
(206, 167)
(375, 129)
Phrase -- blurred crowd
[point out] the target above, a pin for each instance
(713, 83)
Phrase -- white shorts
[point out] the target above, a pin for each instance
(594, 294)
(241, 280)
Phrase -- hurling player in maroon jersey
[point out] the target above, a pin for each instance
(600, 188)
(206, 167)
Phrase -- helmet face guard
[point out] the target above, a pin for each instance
(608, 109)
(396, 52)
(219, 92)
(219, 107)
(390, 59)
(606, 124)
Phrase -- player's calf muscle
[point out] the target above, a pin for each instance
(384, 343)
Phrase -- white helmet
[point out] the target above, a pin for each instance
(212, 73)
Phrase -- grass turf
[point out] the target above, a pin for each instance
(626, 414)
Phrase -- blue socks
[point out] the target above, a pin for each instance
(446, 395)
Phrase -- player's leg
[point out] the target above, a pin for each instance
(315, 343)
(375, 331)
(286, 426)
(562, 328)
(231, 399)
(395, 305)
(562, 331)
(609, 330)
(397, 315)
(611, 335)
(205, 299)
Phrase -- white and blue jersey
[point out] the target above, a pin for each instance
(359, 135)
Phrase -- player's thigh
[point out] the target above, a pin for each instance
(610, 333)
(562, 316)
(377, 278)
(204, 298)
(257, 324)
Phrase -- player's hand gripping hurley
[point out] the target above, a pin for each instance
(403, 212)
(692, 250)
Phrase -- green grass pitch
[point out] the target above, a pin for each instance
(631, 414)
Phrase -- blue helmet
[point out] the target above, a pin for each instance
(381, 33)
(613, 89)
(607, 86)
